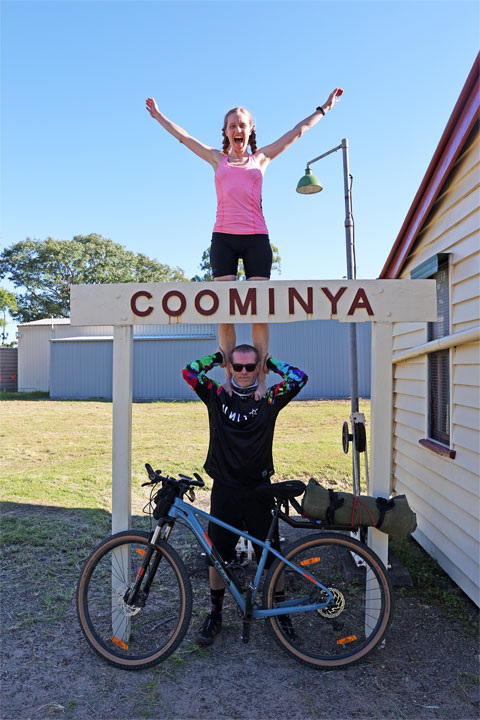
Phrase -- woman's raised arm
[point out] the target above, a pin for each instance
(265, 154)
(211, 155)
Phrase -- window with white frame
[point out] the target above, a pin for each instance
(436, 268)
(439, 364)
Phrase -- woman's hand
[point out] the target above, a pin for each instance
(152, 108)
(224, 361)
(266, 369)
(333, 98)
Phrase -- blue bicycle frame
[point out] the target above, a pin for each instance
(180, 510)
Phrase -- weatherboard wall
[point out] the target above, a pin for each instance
(444, 491)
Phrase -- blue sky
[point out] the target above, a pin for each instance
(80, 154)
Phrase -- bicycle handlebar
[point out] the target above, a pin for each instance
(155, 477)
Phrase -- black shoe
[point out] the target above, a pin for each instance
(287, 626)
(210, 628)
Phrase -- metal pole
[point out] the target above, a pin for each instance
(351, 275)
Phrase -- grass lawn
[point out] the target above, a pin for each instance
(59, 452)
(57, 455)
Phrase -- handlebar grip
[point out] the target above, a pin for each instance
(150, 472)
(200, 481)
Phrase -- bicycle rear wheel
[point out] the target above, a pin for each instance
(138, 636)
(353, 624)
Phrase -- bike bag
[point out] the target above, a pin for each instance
(163, 501)
(393, 516)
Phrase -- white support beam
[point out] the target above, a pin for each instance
(122, 427)
(381, 427)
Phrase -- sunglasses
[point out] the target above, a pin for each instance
(249, 367)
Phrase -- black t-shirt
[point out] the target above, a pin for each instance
(241, 428)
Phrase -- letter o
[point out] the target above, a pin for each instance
(215, 303)
(133, 303)
(166, 298)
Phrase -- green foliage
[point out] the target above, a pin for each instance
(8, 306)
(206, 268)
(47, 268)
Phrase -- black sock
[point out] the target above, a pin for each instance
(216, 597)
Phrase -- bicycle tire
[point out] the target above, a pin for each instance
(354, 624)
(136, 637)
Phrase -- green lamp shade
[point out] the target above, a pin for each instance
(309, 183)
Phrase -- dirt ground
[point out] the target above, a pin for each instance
(427, 669)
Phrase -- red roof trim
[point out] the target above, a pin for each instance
(451, 143)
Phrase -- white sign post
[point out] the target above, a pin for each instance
(381, 302)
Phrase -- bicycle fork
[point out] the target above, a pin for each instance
(132, 595)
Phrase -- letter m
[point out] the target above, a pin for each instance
(250, 300)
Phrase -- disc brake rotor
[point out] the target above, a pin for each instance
(336, 607)
(118, 598)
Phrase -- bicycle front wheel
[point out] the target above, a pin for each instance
(140, 635)
(351, 625)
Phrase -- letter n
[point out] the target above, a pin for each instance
(293, 295)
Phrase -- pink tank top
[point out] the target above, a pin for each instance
(239, 198)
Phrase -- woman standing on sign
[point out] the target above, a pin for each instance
(240, 230)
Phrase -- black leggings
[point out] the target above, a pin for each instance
(240, 507)
(255, 251)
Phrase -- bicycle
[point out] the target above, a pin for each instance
(134, 598)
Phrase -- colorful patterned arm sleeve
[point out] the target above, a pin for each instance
(293, 381)
(195, 375)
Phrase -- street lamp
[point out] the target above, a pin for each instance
(309, 185)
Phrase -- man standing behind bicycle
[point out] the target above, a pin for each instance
(239, 454)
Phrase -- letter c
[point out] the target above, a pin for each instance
(133, 303)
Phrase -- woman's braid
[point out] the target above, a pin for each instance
(252, 141)
(226, 142)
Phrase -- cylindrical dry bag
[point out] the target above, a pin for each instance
(393, 516)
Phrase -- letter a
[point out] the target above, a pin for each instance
(361, 301)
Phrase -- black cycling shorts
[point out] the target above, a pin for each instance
(244, 509)
(255, 251)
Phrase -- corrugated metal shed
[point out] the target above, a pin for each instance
(81, 367)
(8, 369)
(34, 349)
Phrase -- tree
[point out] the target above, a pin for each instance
(47, 268)
(8, 306)
(206, 268)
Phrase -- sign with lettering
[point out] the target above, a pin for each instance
(250, 302)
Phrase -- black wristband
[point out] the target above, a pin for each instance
(320, 109)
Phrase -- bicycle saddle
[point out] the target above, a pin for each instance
(282, 490)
